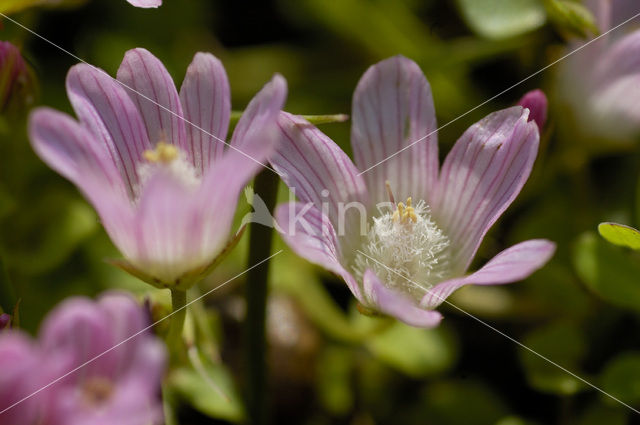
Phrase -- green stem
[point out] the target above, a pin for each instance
(178, 304)
(313, 119)
(260, 237)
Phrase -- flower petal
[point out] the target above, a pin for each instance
(72, 151)
(481, 176)
(621, 59)
(152, 90)
(263, 109)
(76, 332)
(536, 102)
(104, 107)
(206, 103)
(615, 109)
(146, 3)
(396, 304)
(511, 265)
(20, 360)
(393, 109)
(311, 235)
(318, 171)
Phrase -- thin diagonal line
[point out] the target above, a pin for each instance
(137, 92)
(137, 333)
(501, 93)
(531, 350)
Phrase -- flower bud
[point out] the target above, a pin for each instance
(536, 102)
(16, 84)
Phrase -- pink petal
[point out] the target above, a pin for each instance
(206, 103)
(20, 360)
(481, 176)
(511, 265)
(260, 111)
(310, 163)
(152, 90)
(620, 59)
(146, 3)
(170, 229)
(536, 102)
(393, 108)
(74, 333)
(396, 304)
(104, 107)
(313, 237)
(72, 151)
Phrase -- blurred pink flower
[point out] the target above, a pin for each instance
(404, 258)
(166, 191)
(601, 83)
(122, 386)
(146, 3)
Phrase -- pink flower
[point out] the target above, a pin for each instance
(163, 183)
(601, 82)
(121, 386)
(146, 3)
(404, 258)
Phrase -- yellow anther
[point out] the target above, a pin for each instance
(163, 152)
(405, 213)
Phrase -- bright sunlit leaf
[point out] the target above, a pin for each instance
(619, 234)
(502, 18)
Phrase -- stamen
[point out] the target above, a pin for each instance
(405, 213)
(163, 153)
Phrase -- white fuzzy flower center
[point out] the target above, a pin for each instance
(406, 250)
(169, 158)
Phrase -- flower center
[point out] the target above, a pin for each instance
(406, 250)
(167, 158)
(96, 390)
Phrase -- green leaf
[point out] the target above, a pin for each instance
(14, 6)
(608, 271)
(188, 385)
(564, 345)
(415, 352)
(621, 378)
(572, 17)
(334, 380)
(598, 414)
(498, 19)
(619, 234)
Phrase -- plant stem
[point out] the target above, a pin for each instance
(178, 303)
(260, 237)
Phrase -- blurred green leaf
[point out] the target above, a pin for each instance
(193, 388)
(467, 402)
(608, 271)
(413, 351)
(14, 6)
(502, 18)
(334, 380)
(598, 414)
(619, 234)
(71, 224)
(572, 17)
(621, 377)
(561, 343)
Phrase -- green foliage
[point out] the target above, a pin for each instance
(571, 17)
(563, 344)
(608, 271)
(223, 403)
(621, 378)
(619, 234)
(502, 18)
